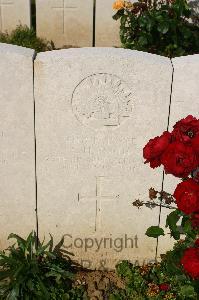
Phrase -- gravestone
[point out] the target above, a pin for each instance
(17, 175)
(96, 108)
(107, 29)
(194, 5)
(13, 13)
(184, 102)
(65, 22)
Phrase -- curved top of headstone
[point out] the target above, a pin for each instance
(8, 48)
(58, 55)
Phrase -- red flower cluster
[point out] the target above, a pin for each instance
(177, 151)
(190, 262)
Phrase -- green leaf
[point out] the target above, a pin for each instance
(188, 229)
(154, 231)
(187, 291)
(150, 24)
(143, 22)
(19, 239)
(171, 222)
(163, 27)
(59, 246)
(142, 40)
(13, 295)
(123, 20)
(118, 14)
(51, 244)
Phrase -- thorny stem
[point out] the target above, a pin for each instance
(162, 205)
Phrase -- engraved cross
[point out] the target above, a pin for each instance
(99, 198)
(2, 5)
(63, 9)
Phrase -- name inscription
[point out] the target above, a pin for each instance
(95, 152)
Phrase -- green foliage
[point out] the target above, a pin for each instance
(26, 37)
(154, 231)
(144, 282)
(160, 26)
(31, 270)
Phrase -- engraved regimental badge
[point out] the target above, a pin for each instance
(102, 100)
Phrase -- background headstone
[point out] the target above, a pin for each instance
(184, 102)
(65, 22)
(96, 108)
(17, 174)
(13, 13)
(107, 29)
(194, 4)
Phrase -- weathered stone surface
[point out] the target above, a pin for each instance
(107, 29)
(96, 108)
(65, 22)
(13, 13)
(17, 176)
(184, 102)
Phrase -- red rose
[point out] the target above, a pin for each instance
(186, 130)
(195, 221)
(154, 149)
(196, 243)
(179, 159)
(187, 196)
(190, 262)
(164, 287)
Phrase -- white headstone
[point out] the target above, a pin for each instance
(96, 108)
(107, 29)
(13, 13)
(184, 102)
(65, 22)
(17, 175)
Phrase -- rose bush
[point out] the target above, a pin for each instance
(161, 26)
(176, 277)
(178, 152)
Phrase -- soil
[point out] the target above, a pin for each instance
(99, 284)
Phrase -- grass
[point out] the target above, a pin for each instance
(26, 37)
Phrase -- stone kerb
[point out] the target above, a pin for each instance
(95, 110)
(13, 13)
(65, 22)
(17, 175)
(185, 93)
